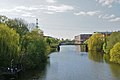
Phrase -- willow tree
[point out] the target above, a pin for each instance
(95, 42)
(9, 45)
(112, 40)
(115, 53)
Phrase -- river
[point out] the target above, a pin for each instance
(72, 64)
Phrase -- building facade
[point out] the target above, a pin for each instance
(80, 39)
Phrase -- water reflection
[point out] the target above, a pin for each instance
(72, 64)
(81, 48)
(115, 69)
(78, 48)
(95, 56)
(33, 74)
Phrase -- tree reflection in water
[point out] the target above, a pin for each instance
(33, 74)
(115, 69)
(95, 56)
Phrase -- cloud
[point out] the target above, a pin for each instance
(19, 9)
(92, 13)
(108, 3)
(89, 13)
(117, 19)
(61, 8)
(22, 11)
(49, 7)
(26, 11)
(109, 18)
(100, 15)
(27, 15)
(4, 10)
(26, 8)
(49, 12)
(106, 16)
(80, 13)
(51, 1)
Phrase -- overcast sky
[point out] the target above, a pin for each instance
(66, 18)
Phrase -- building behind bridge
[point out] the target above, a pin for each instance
(80, 39)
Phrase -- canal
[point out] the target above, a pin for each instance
(72, 64)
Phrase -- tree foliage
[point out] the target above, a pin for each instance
(52, 42)
(95, 42)
(35, 50)
(19, 25)
(115, 53)
(9, 45)
(112, 40)
(19, 44)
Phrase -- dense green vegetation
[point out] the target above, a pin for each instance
(95, 42)
(52, 42)
(19, 25)
(17, 43)
(113, 47)
(110, 44)
(9, 45)
(111, 41)
(34, 50)
(115, 53)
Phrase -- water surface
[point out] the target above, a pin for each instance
(72, 64)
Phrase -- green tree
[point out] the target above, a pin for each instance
(52, 42)
(111, 41)
(9, 45)
(19, 25)
(35, 50)
(115, 53)
(95, 42)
